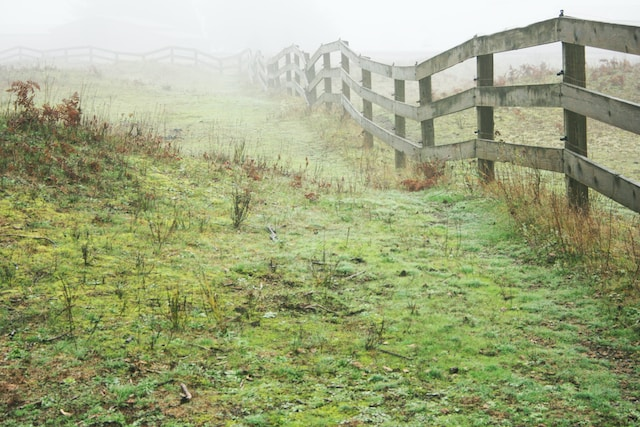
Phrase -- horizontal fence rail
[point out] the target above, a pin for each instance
(93, 55)
(321, 81)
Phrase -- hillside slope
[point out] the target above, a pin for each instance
(141, 285)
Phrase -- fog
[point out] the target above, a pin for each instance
(228, 26)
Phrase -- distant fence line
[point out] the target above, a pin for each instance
(93, 55)
(308, 74)
(314, 77)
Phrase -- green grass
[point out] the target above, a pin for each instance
(370, 306)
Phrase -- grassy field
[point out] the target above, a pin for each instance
(220, 257)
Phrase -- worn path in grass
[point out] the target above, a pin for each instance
(369, 306)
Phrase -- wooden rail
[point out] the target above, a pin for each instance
(93, 55)
(319, 81)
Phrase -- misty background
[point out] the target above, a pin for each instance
(229, 26)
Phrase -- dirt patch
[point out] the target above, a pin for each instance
(623, 363)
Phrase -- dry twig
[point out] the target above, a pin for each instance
(186, 395)
(24, 236)
(391, 353)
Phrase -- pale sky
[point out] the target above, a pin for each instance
(369, 25)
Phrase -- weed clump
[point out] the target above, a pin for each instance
(241, 202)
(427, 175)
(600, 242)
(58, 146)
(48, 120)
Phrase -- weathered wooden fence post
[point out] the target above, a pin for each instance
(288, 74)
(344, 62)
(426, 126)
(296, 75)
(575, 125)
(400, 122)
(484, 67)
(277, 81)
(312, 94)
(270, 79)
(326, 64)
(367, 108)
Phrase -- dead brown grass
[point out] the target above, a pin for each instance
(603, 241)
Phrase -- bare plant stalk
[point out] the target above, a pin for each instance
(68, 299)
(241, 200)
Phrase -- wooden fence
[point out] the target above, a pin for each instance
(93, 55)
(315, 77)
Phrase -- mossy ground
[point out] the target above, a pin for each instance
(340, 300)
